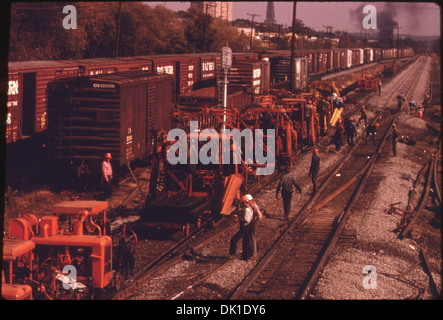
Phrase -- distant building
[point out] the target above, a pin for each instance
(216, 9)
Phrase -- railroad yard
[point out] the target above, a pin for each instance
(373, 211)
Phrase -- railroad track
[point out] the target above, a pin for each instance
(168, 255)
(198, 278)
(290, 268)
(176, 253)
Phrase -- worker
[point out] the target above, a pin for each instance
(372, 130)
(256, 218)
(338, 135)
(400, 99)
(394, 139)
(309, 110)
(125, 258)
(363, 116)
(245, 215)
(351, 131)
(314, 169)
(285, 185)
(379, 87)
(412, 106)
(107, 176)
(323, 112)
(83, 174)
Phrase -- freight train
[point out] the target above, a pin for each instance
(27, 102)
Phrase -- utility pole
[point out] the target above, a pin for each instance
(252, 26)
(118, 27)
(328, 34)
(292, 64)
(398, 40)
(204, 25)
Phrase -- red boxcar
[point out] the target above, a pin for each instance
(27, 97)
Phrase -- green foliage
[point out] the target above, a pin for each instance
(37, 33)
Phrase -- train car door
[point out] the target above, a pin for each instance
(29, 103)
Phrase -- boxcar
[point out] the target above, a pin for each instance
(241, 56)
(336, 61)
(349, 59)
(254, 74)
(312, 59)
(96, 66)
(377, 54)
(321, 61)
(357, 57)
(27, 97)
(118, 113)
(368, 55)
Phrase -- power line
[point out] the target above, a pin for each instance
(252, 26)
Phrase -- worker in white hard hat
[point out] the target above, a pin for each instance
(107, 176)
(246, 230)
(256, 218)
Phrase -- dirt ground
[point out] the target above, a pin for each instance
(377, 243)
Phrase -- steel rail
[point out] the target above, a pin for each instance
(175, 253)
(301, 216)
(343, 220)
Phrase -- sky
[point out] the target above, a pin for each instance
(413, 18)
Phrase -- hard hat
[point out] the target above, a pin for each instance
(363, 107)
(334, 95)
(108, 155)
(339, 121)
(246, 198)
(394, 125)
(315, 150)
(377, 125)
(351, 118)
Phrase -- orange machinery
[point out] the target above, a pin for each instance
(17, 264)
(83, 248)
(367, 83)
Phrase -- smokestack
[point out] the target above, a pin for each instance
(270, 13)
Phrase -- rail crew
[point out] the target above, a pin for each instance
(400, 99)
(323, 109)
(394, 139)
(309, 110)
(245, 215)
(363, 116)
(372, 130)
(338, 135)
(351, 131)
(287, 181)
(314, 169)
(412, 106)
(107, 176)
(83, 174)
(256, 218)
